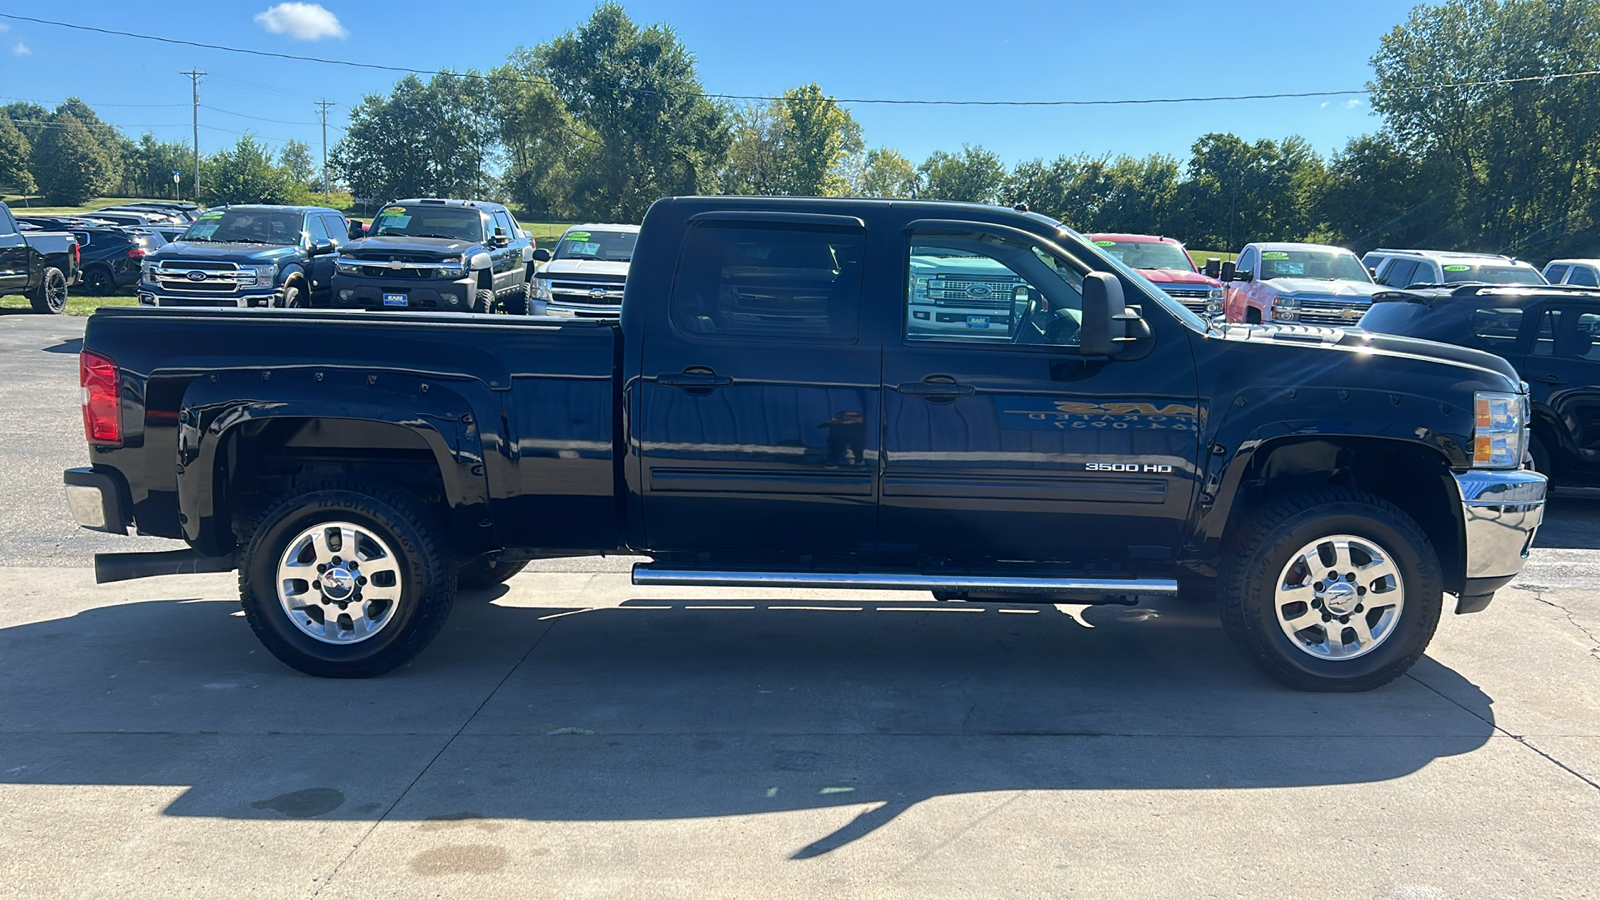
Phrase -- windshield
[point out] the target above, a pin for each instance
(246, 226)
(1317, 265)
(458, 223)
(1491, 274)
(606, 246)
(1147, 254)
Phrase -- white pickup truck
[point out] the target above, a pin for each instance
(586, 274)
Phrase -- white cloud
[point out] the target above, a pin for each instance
(301, 21)
(1354, 103)
(4, 28)
(21, 49)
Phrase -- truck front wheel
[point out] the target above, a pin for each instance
(346, 580)
(1331, 590)
(51, 295)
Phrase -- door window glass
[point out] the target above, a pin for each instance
(315, 229)
(1399, 273)
(338, 229)
(1554, 274)
(1544, 340)
(743, 280)
(1583, 275)
(1247, 261)
(1495, 329)
(1581, 341)
(7, 225)
(987, 289)
(501, 220)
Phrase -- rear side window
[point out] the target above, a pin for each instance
(741, 280)
(7, 224)
(1544, 340)
(1495, 329)
(1583, 275)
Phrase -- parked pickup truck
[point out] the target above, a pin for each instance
(39, 265)
(1310, 283)
(766, 413)
(454, 255)
(1164, 261)
(586, 274)
(248, 256)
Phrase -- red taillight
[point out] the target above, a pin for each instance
(77, 253)
(102, 416)
(137, 252)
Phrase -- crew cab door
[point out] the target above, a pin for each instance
(1563, 372)
(1002, 442)
(319, 266)
(755, 412)
(13, 254)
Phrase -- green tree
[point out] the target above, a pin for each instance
(244, 174)
(755, 155)
(424, 139)
(817, 137)
(107, 136)
(883, 172)
(649, 129)
(147, 169)
(295, 159)
(974, 175)
(1238, 192)
(69, 165)
(30, 119)
(537, 136)
(1127, 193)
(16, 175)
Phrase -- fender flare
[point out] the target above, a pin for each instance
(213, 408)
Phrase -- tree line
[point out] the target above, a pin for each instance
(68, 156)
(1483, 144)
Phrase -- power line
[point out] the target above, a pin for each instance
(229, 112)
(1142, 101)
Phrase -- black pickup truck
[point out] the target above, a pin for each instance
(430, 254)
(38, 264)
(776, 407)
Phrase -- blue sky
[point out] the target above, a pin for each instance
(924, 50)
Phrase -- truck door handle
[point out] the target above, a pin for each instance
(1552, 379)
(936, 387)
(694, 379)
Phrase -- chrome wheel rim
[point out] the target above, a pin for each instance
(339, 583)
(1339, 597)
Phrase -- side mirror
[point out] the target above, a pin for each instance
(358, 231)
(1226, 271)
(321, 248)
(1106, 316)
(1244, 275)
(500, 237)
(540, 254)
(1213, 267)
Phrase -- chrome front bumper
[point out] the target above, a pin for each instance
(1501, 510)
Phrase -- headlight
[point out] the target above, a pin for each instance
(347, 266)
(264, 274)
(1287, 302)
(541, 289)
(1214, 294)
(145, 273)
(452, 266)
(1286, 309)
(1499, 429)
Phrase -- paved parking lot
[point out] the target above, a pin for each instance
(570, 735)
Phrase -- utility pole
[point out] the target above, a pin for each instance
(194, 79)
(322, 106)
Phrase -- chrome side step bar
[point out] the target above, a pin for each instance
(649, 574)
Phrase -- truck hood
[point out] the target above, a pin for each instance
(1178, 276)
(582, 267)
(1314, 287)
(1371, 343)
(410, 246)
(238, 253)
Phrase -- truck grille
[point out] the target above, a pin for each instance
(1194, 299)
(201, 277)
(1332, 312)
(974, 292)
(583, 289)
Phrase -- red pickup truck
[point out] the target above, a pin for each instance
(1163, 261)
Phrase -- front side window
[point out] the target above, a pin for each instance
(501, 220)
(247, 226)
(780, 282)
(1554, 274)
(337, 228)
(1495, 329)
(1247, 261)
(990, 289)
(315, 229)
(456, 223)
(1544, 340)
(1399, 273)
(603, 246)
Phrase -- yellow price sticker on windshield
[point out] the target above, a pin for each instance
(393, 211)
(1105, 243)
(1274, 254)
(578, 236)
(1458, 268)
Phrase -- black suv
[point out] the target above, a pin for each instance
(461, 255)
(1550, 334)
(112, 256)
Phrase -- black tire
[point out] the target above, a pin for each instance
(483, 572)
(50, 297)
(483, 300)
(426, 592)
(516, 302)
(99, 281)
(1256, 555)
(292, 297)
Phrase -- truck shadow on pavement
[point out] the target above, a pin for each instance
(680, 709)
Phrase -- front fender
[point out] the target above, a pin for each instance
(214, 407)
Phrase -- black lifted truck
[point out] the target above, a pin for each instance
(39, 264)
(273, 256)
(452, 255)
(773, 409)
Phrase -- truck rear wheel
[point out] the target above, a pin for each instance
(51, 295)
(1331, 590)
(346, 580)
